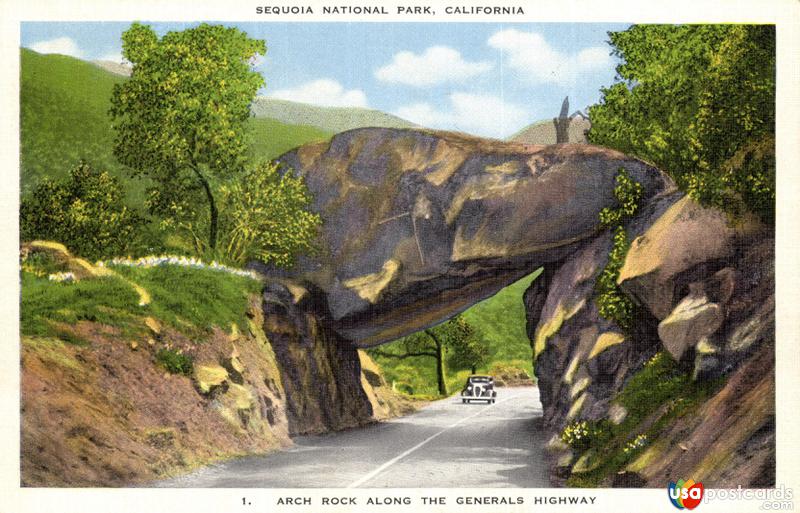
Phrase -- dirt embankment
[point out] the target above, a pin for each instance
(106, 413)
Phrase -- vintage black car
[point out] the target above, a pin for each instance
(479, 388)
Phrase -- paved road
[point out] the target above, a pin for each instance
(447, 444)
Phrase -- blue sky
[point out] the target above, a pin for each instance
(486, 79)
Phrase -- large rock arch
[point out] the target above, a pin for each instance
(419, 225)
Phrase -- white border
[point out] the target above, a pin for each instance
(784, 13)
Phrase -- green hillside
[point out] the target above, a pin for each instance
(330, 119)
(63, 117)
(272, 138)
(501, 321)
(64, 106)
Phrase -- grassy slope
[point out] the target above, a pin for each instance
(501, 319)
(190, 300)
(273, 138)
(64, 106)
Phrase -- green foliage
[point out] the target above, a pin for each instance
(697, 101)
(265, 216)
(190, 300)
(584, 434)
(85, 212)
(466, 345)
(175, 362)
(612, 303)
(180, 118)
(628, 193)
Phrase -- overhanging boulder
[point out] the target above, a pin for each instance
(419, 225)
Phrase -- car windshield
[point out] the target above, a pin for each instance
(479, 379)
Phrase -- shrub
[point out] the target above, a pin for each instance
(265, 216)
(85, 212)
(175, 362)
(628, 193)
(612, 303)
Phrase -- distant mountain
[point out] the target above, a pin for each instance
(117, 68)
(544, 132)
(329, 119)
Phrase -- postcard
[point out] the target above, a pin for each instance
(350, 256)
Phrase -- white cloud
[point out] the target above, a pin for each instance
(535, 60)
(477, 114)
(436, 65)
(325, 92)
(62, 45)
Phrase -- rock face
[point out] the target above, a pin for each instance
(329, 384)
(420, 225)
(680, 245)
(704, 294)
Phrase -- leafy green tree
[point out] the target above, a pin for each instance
(85, 211)
(699, 102)
(265, 216)
(180, 118)
(435, 343)
(468, 349)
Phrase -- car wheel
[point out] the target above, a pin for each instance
(464, 401)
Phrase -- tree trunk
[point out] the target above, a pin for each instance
(440, 377)
(212, 205)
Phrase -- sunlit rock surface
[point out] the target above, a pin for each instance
(419, 225)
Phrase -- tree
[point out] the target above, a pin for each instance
(85, 211)
(435, 343)
(180, 118)
(561, 123)
(698, 101)
(265, 216)
(468, 350)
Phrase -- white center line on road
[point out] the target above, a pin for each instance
(399, 457)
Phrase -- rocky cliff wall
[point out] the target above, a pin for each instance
(688, 391)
